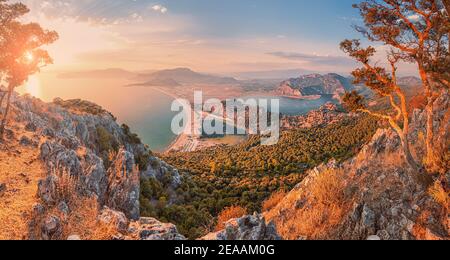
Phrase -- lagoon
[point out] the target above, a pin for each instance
(146, 110)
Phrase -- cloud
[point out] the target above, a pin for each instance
(160, 8)
(312, 58)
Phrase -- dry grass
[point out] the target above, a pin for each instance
(84, 211)
(439, 195)
(273, 200)
(420, 230)
(20, 170)
(83, 221)
(324, 208)
(228, 214)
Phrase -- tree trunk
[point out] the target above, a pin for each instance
(5, 116)
(2, 96)
(430, 134)
(430, 154)
(407, 152)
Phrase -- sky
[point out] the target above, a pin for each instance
(214, 36)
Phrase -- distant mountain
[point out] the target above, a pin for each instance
(315, 84)
(160, 82)
(412, 86)
(182, 76)
(98, 74)
(409, 81)
(271, 74)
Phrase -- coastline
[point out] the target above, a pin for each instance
(190, 143)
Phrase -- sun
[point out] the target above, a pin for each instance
(29, 56)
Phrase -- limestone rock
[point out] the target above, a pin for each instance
(152, 229)
(116, 218)
(250, 227)
(51, 228)
(73, 238)
(373, 238)
(47, 189)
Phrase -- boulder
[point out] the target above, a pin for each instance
(373, 238)
(152, 229)
(63, 208)
(251, 227)
(73, 238)
(38, 209)
(116, 218)
(51, 228)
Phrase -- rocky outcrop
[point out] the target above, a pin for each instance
(286, 89)
(161, 171)
(142, 229)
(390, 200)
(116, 218)
(441, 125)
(88, 156)
(315, 84)
(251, 227)
(152, 229)
(83, 140)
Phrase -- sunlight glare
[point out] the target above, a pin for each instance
(32, 86)
(29, 56)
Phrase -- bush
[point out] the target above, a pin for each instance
(105, 140)
(228, 214)
(142, 161)
(131, 137)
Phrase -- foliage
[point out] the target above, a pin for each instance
(245, 175)
(82, 106)
(228, 214)
(352, 101)
(416, 32)
(105, 140)
(21, 50)
(132, 138)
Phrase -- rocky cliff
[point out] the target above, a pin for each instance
(375, 196)
(86, 154)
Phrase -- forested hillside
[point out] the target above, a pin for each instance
(247, 174)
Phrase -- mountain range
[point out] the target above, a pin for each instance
(182, 76)
(302, 86)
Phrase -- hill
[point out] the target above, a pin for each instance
(247, 174)
(69, 170)
(182, 76)
(315, 84)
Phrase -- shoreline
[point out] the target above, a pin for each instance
(190, 143)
